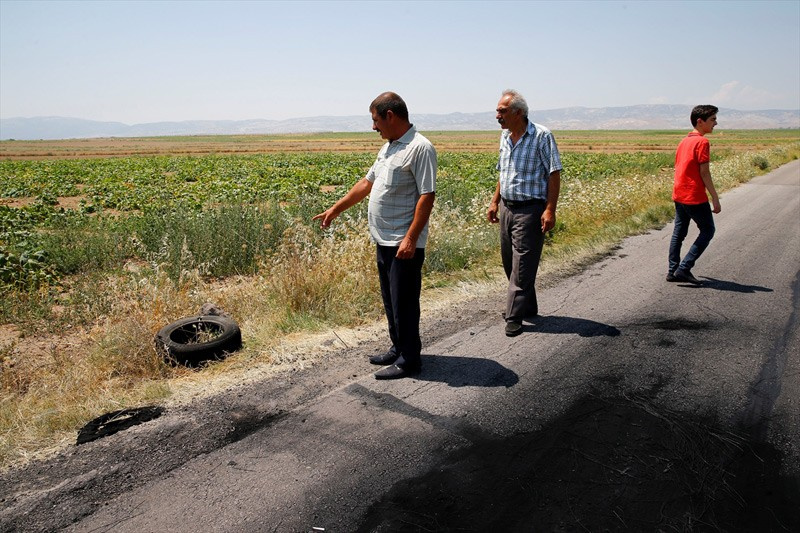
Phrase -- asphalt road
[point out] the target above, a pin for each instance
(632, 404)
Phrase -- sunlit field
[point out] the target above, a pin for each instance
(104, 241)
(369, 142)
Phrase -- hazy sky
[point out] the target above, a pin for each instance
(150, 61)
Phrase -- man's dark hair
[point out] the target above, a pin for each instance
(390, 102)
(702, 111)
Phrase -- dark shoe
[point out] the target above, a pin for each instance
(683, 275)
(513, 328)
(671, 278)
(384, 359)
(396, 372)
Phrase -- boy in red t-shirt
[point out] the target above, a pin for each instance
(692, 179)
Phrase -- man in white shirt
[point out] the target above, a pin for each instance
(401, 185)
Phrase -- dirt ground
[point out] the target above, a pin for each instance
(50, 493)
(461, 141)
(182, 146)
(485, 141)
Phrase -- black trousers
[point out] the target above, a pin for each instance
(401, 284)
(521, 242)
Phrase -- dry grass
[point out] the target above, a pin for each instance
(369, 142)
(53, 384)
(325, 282)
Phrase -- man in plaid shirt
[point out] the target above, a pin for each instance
(524, 203)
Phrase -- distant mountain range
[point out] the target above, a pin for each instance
(638, 117)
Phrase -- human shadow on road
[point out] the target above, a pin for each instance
(732, 286)
(458, 371)
(568, 324)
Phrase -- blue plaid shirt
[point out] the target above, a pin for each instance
(526, 167)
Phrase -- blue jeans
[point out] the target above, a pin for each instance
(684, 214)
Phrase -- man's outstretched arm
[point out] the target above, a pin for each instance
(359, 191)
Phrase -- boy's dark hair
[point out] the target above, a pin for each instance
(390, 102)
(702, 112)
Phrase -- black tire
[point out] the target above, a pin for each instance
(178, 340)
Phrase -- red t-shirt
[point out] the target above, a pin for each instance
(692, 151)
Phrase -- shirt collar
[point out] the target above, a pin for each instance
(407, 136)
(531, 129)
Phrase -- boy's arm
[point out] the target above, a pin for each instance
(705, 174)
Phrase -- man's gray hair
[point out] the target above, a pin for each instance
(516, 102)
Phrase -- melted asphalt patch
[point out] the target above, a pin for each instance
(608, 463)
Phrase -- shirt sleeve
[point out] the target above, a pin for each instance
(424, 169)
(371, 173)
(703, 154)
(550, 155)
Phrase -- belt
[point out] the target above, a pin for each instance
(524, 203)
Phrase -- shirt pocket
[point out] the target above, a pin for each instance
(397, 171)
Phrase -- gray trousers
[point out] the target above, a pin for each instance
(521, 242)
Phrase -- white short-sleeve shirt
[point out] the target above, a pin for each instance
(404, 170)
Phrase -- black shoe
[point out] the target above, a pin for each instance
(685, 275)
(513, 328)
(384, 359)
(671, 278)
(396, 372)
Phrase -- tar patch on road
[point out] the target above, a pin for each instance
(609, 463)
(678, 324)
(110, 423)
(246, 421)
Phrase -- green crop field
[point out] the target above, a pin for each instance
(115, 202)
